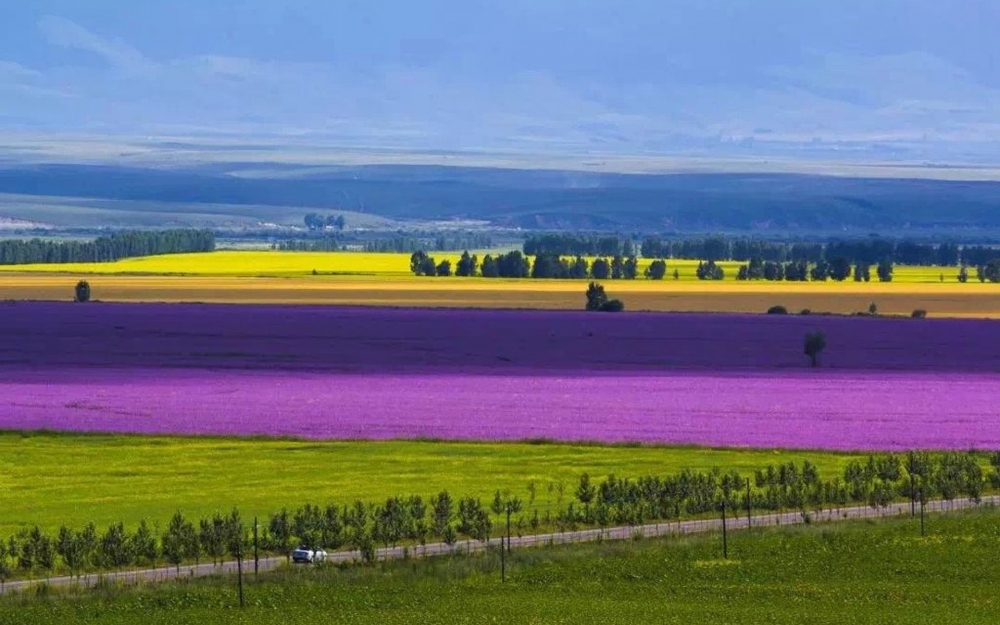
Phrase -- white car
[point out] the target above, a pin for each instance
(303, 555)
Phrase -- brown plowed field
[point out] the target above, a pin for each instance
(950, 299)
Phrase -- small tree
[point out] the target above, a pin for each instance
(872, 309)
(116, 547)
(281, 532)
(6, 570)
(467, 265)
(89, 544)
(449, 536)
(585, 494)
(631, 268)
(82, 292)
(596, 297)
(443, 268)
(600, 269)
(442, 513)
(144, 543)
(815, 343)
(885, 271)
(212, 536)
(70, 547)
(176, 539)
(422, 265)
(656, 270)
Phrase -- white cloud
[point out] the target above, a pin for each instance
(833, 97)
(10, 69)
(63, 32)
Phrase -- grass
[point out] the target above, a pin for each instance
(853, 572)
(50, 479)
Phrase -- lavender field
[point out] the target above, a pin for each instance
(394, 373)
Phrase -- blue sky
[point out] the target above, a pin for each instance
(584, 74)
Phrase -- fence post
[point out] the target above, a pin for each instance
(725, 547)
(503, 563)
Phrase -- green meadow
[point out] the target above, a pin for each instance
(852, 572)
(51, 479)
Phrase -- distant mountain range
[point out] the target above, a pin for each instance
(771, 205)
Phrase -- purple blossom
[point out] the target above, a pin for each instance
(321, 372)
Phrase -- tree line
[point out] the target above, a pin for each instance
(875, 481)
(839, 269)
(548, 266)
(315, 221)
(322, 244)
(515, 264)
(130, 244)
(440, 243)
(868, 251)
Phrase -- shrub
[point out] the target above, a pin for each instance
(82, 292)
(777, 310)
(805, 311)
(614, 305)
(596, 297)
(814, 344)
(919, 313)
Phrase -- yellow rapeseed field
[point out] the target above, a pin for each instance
(364, 264)
(385, 279)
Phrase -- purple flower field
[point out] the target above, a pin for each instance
(394, 373)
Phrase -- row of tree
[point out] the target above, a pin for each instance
(550, 266)
(315, 221)
(864, 251)
(439, 243)
(839, 269)
(321, 244)
(990, 272)
(875, 481)
(130, 244)
(516, 265)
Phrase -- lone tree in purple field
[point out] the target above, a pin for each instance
(82, 291)
(815, 343)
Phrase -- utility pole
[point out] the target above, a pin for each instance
(508, 527)
(725, 546)
(922, 514)
(256, 558)
(913, 501)
(239, 566)
(749, 521)
(503, 563)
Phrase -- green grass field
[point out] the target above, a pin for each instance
(52, 479)
(856, 572)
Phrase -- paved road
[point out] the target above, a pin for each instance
(468, 546)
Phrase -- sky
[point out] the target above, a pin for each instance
(912, 76)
